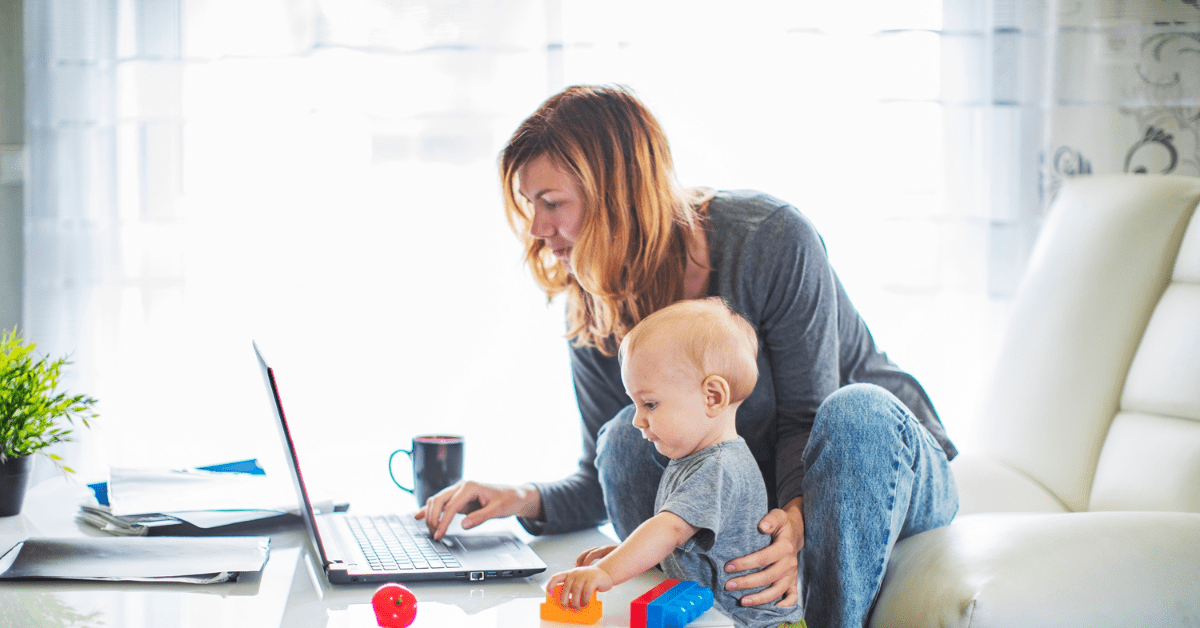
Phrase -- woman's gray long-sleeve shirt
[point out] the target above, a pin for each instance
(770, 265)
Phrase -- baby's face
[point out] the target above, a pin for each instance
(670, 400)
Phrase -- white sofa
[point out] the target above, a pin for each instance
(1081, 505)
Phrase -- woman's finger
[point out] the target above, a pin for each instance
(480, 511)
(783, 547)
(773, 522)
(774, 592)
(459, 498)
(791, 597)
(768, 555)
(431, 510)
(782, 574)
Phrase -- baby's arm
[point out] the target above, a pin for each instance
(649, 544)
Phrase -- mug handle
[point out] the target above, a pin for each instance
(393, 475)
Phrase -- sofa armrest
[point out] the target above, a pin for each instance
(1063, 570)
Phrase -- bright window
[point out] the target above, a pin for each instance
(321, 177)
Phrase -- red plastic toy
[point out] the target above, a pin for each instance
(395, 606)
(552, 610)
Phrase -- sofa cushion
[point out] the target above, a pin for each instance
(1187, 265)
(1165, 375)
(1063, 570)
(1149, 462)
(1151, 456)
(1102, 261)
(986, 485)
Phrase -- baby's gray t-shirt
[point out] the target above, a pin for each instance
(720, 491)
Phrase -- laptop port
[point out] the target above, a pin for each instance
(506, 574)
(476, 575)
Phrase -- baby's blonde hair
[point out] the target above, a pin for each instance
(709, 335)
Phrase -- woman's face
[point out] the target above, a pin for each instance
(557, 205)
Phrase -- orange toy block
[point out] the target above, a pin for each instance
(553, 611)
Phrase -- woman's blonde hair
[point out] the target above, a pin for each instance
(710, 338)
(631, 250)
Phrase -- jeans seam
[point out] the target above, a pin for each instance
(881, 566)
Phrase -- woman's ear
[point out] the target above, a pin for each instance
(716, 395)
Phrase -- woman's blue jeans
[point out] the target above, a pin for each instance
(873, 476)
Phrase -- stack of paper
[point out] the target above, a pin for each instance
(141, 491)
(134, 525)
(141, 502)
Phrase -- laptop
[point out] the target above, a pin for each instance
(395, 547)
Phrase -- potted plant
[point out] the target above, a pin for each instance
(29, 413)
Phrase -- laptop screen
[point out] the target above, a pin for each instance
(306, 510)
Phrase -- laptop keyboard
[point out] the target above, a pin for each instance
(393, 543)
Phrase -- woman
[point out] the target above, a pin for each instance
(851, 450)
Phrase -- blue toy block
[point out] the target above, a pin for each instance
(679, 606)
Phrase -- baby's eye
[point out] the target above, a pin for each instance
(650, 405)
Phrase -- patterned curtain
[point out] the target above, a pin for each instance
(1130, 70)
(1039, 91)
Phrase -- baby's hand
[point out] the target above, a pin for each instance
(593, 555)
(579, 585)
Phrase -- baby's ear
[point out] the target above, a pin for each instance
(716, 395)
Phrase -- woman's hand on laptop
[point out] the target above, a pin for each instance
(480, 502)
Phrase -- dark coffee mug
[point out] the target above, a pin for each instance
(437, 462)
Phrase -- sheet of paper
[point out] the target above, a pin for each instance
(140, 491)
(218, 518)
(140, 559)
(139, 525)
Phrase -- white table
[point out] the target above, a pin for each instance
(290, 591)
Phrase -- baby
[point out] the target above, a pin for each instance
(687, 368)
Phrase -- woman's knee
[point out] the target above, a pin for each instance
(617, 439)
(858, 413)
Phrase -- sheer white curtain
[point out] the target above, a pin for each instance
(320, 175)
(316, 176)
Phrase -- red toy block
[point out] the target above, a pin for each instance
(637, 608)
(552, 610)
(671, 604)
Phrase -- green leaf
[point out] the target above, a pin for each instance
(31, 410)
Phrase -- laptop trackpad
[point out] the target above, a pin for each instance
(497, 548)
(475, 543)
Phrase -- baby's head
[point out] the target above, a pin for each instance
(707, 337)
